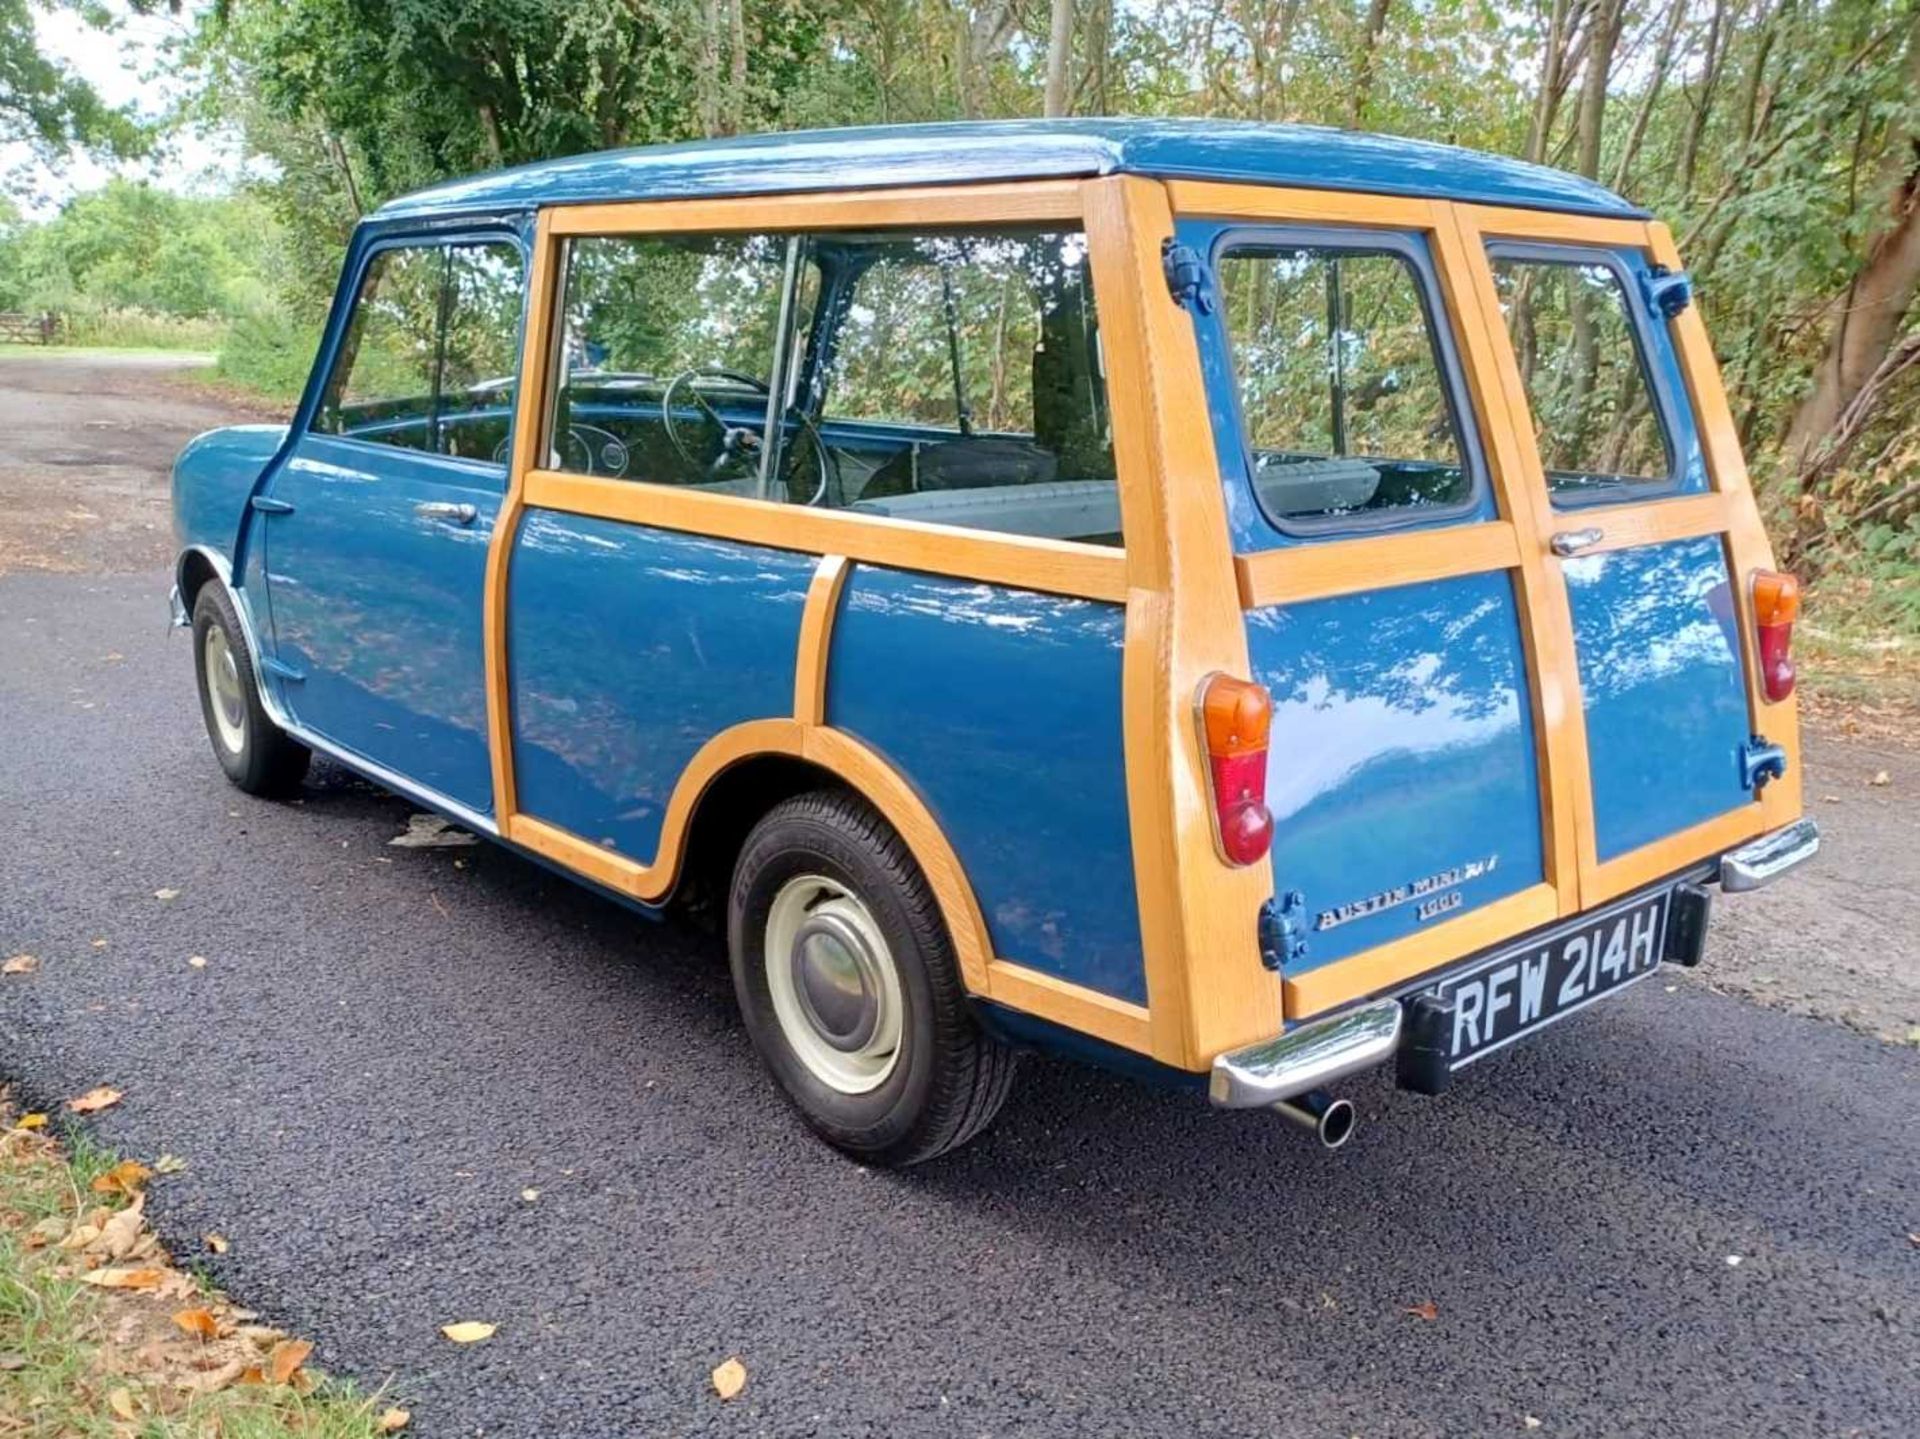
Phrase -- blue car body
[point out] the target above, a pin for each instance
(1485, 725)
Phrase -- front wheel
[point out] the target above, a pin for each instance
(847, 980)
(258, 756)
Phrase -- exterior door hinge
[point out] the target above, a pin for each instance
(1669, 291)
(268, 505)
(1188, 279)
(1760, 761)
(1283, 930)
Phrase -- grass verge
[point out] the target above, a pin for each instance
(102, 1337)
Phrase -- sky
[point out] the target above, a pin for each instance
(124, 67)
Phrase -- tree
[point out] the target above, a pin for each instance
(49, 109)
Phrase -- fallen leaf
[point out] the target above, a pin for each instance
(50, 1230)
(468, 1331)
(196, 961)
(126, 1177)
(99, 944)
(1881, 780)
(429, 831)
(95, 1100)
(216, 1242)
(1530, 1421)
(393, 1421)
(529, 1195)
(120, 1401)
(169, 1164)
(198, 1322)
(163, 895)
(31, 1121)
(125, 1278)
(80, 1236)
(20, 964)
(121, 1232)
(1425, 1309)
(1733, 1261)
(285, 1358)
(729, 1379)
(215, 1380)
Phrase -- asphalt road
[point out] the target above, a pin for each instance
(385, 1047)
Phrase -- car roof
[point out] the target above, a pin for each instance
(877, 157)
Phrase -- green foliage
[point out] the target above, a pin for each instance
(48, 109)
(269, 353)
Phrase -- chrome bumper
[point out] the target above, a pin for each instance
(178, 608)
(1307, 1058)
(1769, 857)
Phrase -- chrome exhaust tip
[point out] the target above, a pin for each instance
(1330, 1119)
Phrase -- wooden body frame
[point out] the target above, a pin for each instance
(1183, 590)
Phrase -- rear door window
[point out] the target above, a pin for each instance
(1595, 415)
(1346, 397)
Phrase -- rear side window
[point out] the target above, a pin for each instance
(1344, 395)
(947, 377)
(430, 352)
(1574, 338)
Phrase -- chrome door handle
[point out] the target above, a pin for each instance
(446, 510)
(1569, 543)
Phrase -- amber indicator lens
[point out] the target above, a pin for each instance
(1235, 717)
(1776, 604)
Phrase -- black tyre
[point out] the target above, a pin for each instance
(256, 753)
(847, 980)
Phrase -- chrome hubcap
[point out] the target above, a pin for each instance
(223, 687)
(835, 990)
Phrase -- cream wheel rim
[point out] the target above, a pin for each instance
(835, 988)
(228, 702)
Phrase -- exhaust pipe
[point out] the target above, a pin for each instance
(1330, 1119)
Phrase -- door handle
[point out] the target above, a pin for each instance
(1569, 543)
(460, 514)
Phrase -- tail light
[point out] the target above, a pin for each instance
(1776, 604)
(1235, 716)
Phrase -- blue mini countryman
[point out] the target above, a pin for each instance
(1243, 602)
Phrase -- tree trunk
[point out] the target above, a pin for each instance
(1868, 315)
(1363, 68)
(1662, 58)
(1059, 58)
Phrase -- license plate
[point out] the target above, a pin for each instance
(1526, 989)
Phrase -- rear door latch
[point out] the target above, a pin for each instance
(1283, 929)
(1760, 761)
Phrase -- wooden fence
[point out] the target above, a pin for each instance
(19, 329)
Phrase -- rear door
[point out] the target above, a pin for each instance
(1633, 526)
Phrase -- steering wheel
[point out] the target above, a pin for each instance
(584, 449)
(738, 445)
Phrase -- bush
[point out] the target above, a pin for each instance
(270, 353)
(84, 324)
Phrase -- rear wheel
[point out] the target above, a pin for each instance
(848, 983)
(258, 756)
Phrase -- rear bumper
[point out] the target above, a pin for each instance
(1768, 857)
(1322, 1050)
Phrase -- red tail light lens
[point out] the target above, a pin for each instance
(1235, 716)
(1776, 604)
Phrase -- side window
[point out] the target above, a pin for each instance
(1593, 412)
(668, 354)
(1343, 394)
(962, 383)
(951, 377)
(430, 353)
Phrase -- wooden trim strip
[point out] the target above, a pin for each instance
(1626, 527)
(1674, 852)
(1207, 990)
(1748, 548)
(1508, 223)
(1344, 567)
(1384, 967)
(1546, 629)
(1020, 561)
(816, 640)
(1087, 1010)
(535, 353)
(1011, 203)
(1289, 206)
